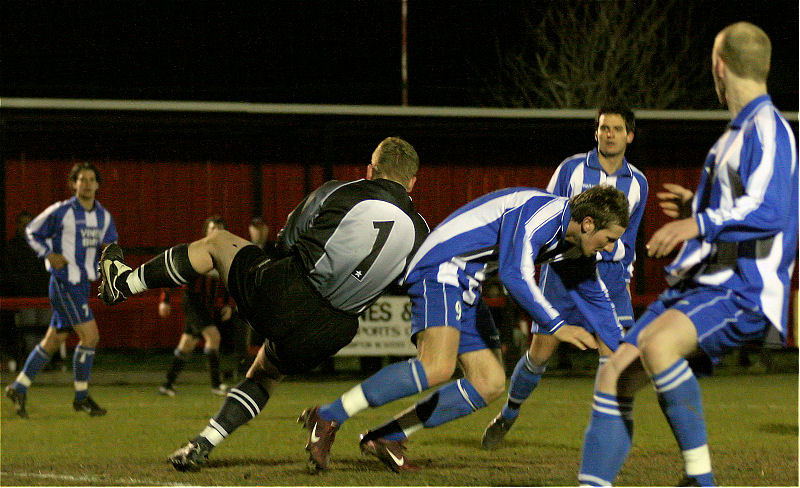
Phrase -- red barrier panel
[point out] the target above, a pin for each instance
(132, 324)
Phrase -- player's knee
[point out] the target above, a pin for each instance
(654, 347)
(491, 388)
(90, 340)
(438, 372)
(607, 377)
(212, 337)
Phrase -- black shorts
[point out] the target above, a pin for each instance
(301, 328)
(197, 315)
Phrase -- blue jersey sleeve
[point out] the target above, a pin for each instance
(628, 238)
(559, 182)
(522, 235)
(765, 172)
(42, 229)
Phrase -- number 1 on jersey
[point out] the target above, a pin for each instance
(384, 229)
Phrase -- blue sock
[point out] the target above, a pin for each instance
(35, 362)
(449, 402)
(397, 380)
(82, 367)
(524, 380)
(607, 439)
(679, 397)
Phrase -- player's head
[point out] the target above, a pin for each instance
(614, 128)
(601, 213)
(394, 159)
(259, 230)
(23, 219)
(84, 180)
(745, 50)
(213, 223)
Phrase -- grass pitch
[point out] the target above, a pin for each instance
(752, 423)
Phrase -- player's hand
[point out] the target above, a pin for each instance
(225, 313)
(164, 309)
(577, 336)
(666, 238)
(57, 261)
(676, 201)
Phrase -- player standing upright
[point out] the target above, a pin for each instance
(606, 314)
(70, 236)
(206, 303)
(730, 281)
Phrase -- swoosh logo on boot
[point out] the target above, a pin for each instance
(398, 460)
(314, 437)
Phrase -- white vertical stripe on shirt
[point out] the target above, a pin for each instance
(91, 252)
(69, 245)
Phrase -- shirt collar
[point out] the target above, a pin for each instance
(593, 161)
(748, 111)
(77, 205)
(565, 217)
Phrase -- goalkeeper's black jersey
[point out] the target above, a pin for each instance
(354, 238)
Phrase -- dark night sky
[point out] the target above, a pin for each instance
(302, 51)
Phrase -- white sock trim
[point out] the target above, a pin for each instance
(23, 380)
(245, 400)
(593, 479)
(697, 460)
(81, 385)
(212, 434)
(354, 401)
(411, 429)
(412, 362)
(135, 283)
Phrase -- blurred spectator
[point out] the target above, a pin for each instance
(206, 307)
(259, 235)
(23, 274)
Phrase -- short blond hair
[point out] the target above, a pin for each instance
(395, 159)
(746, 49)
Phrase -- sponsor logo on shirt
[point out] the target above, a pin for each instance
(90, 237)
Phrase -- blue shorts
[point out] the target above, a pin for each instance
(606, 312)
(722, 318)
(70, 304)
(435, 304)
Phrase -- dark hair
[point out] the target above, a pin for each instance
(24, 213)
(78, 167)
(604, 203)
(617, 108)
(395, 159)
(257, 221)
(216, 219)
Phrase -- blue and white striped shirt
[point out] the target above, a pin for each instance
(746, 209)
(580, 172)
(68, 229)
(508, 231)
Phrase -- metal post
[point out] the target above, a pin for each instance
(404, 55)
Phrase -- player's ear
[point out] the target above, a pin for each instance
(629, 137)
(411, 184)
(587, 225)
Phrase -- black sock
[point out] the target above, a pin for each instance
(512, 404)
(242, 404)
(213, 366)
(178, 361)
(169, 269)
